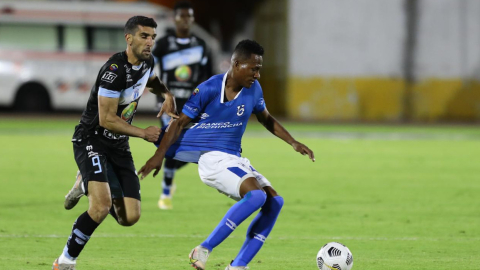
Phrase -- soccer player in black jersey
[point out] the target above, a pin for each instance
(184, 63)
(100, 141)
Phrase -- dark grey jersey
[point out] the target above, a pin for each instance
(184, 64)
(116, 79)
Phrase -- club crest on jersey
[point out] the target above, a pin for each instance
(109, 77)
(240, 110)
(195, 92)
(113, 67)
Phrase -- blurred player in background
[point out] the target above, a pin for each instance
(209, 131)
(100, 141)
(184, 63)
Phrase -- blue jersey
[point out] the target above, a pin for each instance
(216, 125)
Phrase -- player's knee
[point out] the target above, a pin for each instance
(129, 220)
(276, 203)
(256, 198)
(99, 212)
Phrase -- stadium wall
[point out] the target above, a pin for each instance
(346, 61)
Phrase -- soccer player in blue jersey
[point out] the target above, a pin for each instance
(209, 132)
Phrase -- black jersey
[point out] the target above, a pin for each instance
(119, 79)
(184, 64)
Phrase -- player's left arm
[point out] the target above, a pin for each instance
(272, 125)
(158, 88)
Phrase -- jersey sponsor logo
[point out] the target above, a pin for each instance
(109, 77)
(110, 135)
(113, 67)
(129, 77)
(183, 73)
(216, 125)
(240, 110)
(129, 111)
(190, 108)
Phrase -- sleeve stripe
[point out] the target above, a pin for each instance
(108, 93)
(188, 113)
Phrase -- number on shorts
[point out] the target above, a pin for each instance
(96, 162)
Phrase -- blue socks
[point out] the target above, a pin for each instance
(259, 230)
(250, 203)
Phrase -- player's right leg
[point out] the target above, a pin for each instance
(83, 228)
(92, 164)
(259, 229)
(222, 171)
(262, 224)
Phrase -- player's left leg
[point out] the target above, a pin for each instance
(259, 229)
(125, 189)
(230, 176)
(253, 198)
(75, 194)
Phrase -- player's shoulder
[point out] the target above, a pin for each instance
(116, 62)
(214, 83)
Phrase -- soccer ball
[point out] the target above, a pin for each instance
(334, 256)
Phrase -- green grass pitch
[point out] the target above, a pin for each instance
(400, 197)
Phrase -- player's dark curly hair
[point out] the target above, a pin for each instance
(182, 5)
(132, 24)
(247, 47)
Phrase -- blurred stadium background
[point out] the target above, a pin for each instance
(367, 60)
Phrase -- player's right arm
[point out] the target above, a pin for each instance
(195, 104)
(112, 82)
(107, 112)
(171, 135)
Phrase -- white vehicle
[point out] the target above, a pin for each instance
(51, 52)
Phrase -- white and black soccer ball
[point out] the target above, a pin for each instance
(334, 256)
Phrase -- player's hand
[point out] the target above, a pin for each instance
(303, 149)
(169, 107)
(154, 162)
(151, 134)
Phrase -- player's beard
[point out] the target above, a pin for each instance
(140, 56)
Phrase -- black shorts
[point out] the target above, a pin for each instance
(101, 161)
